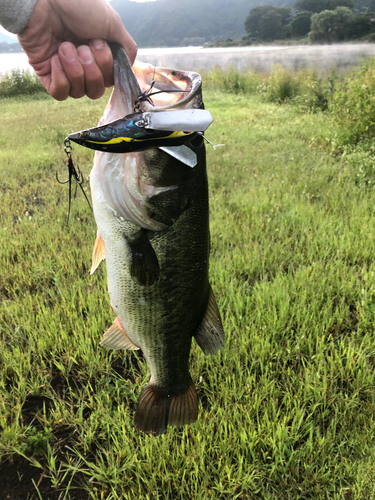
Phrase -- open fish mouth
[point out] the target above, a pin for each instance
(168, 113)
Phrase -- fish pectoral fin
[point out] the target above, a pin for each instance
(116, 338)
(98, 254)
(156, 409)
(210, 334)
(144, 267)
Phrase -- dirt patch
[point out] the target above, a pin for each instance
(19, 480)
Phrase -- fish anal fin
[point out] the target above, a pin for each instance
(156, 409)
(210, 334)
(144, 267)
(116, 338)
(98, 254)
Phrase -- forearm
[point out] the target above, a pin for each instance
(14, 14)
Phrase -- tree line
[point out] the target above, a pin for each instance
(323, 21)
(172, 23)
(6, 48)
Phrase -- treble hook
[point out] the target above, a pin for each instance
(73, 173)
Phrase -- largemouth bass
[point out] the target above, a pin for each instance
(151, 209)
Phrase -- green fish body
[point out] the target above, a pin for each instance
(152, 215)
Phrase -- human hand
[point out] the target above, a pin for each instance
(65, 43)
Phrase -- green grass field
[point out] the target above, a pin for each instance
(287, 407)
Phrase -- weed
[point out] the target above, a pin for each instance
(38, 441)
(353, 104)
(19, 82)
(281, 86)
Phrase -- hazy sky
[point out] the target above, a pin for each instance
(2, 30)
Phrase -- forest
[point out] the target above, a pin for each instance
(322, 21)
(6, 47)
(206, 21)
(170, 23)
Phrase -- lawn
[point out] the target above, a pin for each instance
(287, 406)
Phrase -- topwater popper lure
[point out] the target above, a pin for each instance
(145, 130)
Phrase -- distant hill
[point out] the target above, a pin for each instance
(173, 23)
(7, 39)
(9, 44)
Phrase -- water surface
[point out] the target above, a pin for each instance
(322, 57)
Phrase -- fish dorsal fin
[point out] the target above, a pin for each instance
(98, 254)
(210, 334)
(116, 338)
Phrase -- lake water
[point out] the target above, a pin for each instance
(321, 57)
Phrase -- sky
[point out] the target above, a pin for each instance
(2, 30)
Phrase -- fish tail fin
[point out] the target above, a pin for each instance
(156, 409)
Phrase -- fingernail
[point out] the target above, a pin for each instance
(98, 44)
(68, 52)
(84, 54)
(58, 63)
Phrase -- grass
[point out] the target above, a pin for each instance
(287, 406)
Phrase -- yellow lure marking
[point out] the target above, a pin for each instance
(118, 140)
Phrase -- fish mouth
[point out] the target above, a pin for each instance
(166, 89)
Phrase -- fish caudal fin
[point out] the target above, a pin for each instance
(210, 334)
(156, 409)
(98, 254)
(116, 338)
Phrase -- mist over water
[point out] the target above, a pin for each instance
(320, 57)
